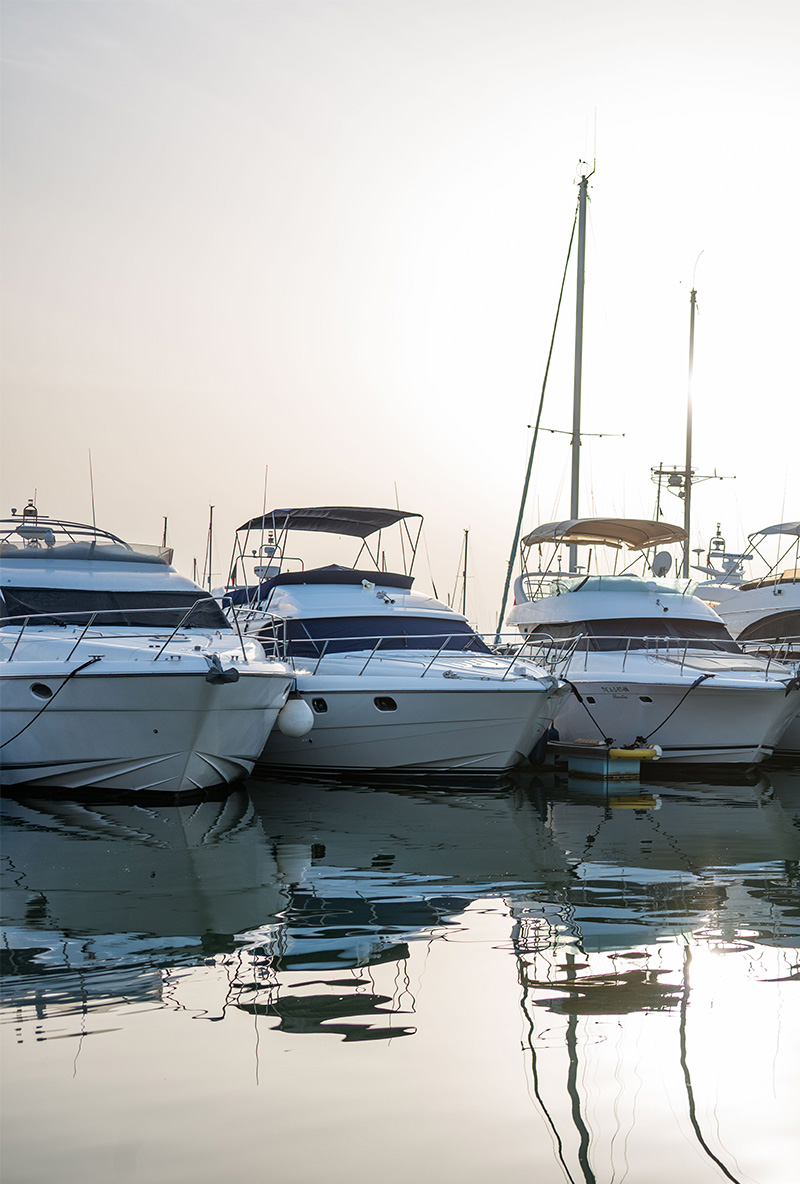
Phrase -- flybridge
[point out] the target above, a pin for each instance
(31, 536)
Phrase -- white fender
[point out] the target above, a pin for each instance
(295, 718)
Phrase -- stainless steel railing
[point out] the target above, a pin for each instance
(563, 655)
(77, 619)
(272, 632)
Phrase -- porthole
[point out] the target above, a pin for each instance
(645, 699)
(590, 699)
(40, 690)
(319, 705)
(384, 703)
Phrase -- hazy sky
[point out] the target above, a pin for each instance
(326, 239)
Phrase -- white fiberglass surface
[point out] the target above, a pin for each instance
(332, 600)
(81, 574)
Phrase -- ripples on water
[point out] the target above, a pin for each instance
(308, 983)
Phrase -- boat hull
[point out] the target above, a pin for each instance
(743, 609)
(435, 727)
(144, 731)
(789, 743)
(710, 724)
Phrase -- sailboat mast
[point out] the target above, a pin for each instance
(687, 477)
(209, 548)
(464, 585)
(576, 395)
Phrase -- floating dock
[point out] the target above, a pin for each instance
(599, 761)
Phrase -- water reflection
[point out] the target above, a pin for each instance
(100, 900)
(634, 947)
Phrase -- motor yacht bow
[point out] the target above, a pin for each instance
(116, 672)
(648, 662)
(398, 682)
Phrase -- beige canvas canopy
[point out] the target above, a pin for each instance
(636, 534)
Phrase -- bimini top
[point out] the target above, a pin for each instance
(634, 533)
(781, 528)
(359, 521)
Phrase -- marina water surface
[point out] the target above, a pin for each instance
(310, 982)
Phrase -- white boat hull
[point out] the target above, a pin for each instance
(654, 665)
(143, 730)
(711, 724)
(789, 743)
(742, 609)
(468, 728)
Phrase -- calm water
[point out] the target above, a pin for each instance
(308, 983)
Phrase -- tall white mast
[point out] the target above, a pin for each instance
(576, 397)
(687, 475)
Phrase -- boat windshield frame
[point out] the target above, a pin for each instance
(543, 584)
(36, 536)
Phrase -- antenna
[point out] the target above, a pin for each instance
(400, 524)
(264, 504)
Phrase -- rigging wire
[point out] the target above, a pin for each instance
(518, 530)
(430, 568)
(56, 692)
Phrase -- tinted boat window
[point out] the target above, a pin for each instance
(149, 610)
(307, 638)
(639, 632)
(773, 626)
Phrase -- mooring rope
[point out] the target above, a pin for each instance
(71, 674)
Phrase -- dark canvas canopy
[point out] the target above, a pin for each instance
(333, 574)
(359, 521)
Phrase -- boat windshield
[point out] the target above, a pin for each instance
(538, 585)
(311, 637)
(74, 606)
(621, 633)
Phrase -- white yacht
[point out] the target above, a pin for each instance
(761, 609)
(762, 614)
(648, 662)
(116, 672)
(397, 682)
